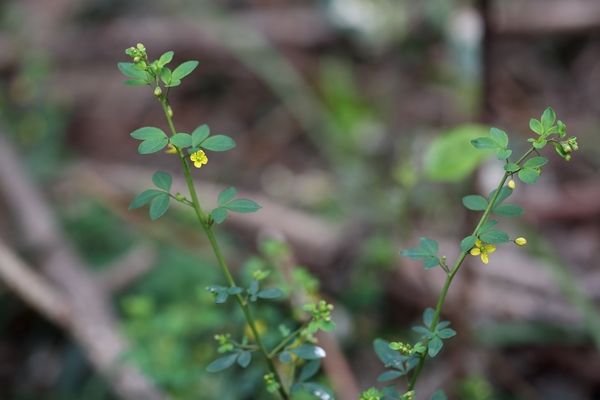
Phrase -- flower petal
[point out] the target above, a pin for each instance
(475, 251)
(485, 258)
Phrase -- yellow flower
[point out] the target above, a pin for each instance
(199, 158)
(520, 241)
(483, 249)
(171, 149)
(512, 185)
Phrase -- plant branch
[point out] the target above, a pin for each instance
(207, 227)
(456, 267)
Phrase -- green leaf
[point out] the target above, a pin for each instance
(439, 395)
(499, 137)
(254, 286)
(166, 76)
(434, 346)
(226, 196)
(536, 126)
(131, 71)
(184, 70)
(511, 167)
(484, 143)
(222, 363)
(308, 352)
(389, 375)
(488, 226)
(272, 293)
(233, 290)
(244, 359)
(162, 180)
(135, 82)
(475, 202)
(503, 154)
(285, 357)
(158, 206)
(426, 252)
(242, 206)
(309, 370)
(173, 82)
(144, 198)
(505, 192)
(429, 245)
(199, 135)
(147, 133)
(539, 143)
(548, 118)
(181, 140)
(508, 210)
(446, 333)
(218, 143)
(150, 146)
(529, 175)
(450, 158)
(428, 315)
(535, 162)
(467, 243)
(389, 357)
(165, 58)
(219, 215)
(494, 236)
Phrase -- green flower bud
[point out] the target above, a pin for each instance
(157, 91)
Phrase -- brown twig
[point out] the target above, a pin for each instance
(91, 321)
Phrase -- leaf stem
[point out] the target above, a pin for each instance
(206, 226)
(456, 267)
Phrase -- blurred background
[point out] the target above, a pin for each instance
(353, 120)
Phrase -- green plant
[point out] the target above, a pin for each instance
(407, 360)
(296, 348)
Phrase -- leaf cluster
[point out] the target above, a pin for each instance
(227, 202)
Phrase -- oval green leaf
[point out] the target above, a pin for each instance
(150, 146)
(158, 206)
(242, 206)
(184, 70)
(218, 143)
(181, 140)
(144, 198)
(222, 363)
(475, 202)
(162, 180)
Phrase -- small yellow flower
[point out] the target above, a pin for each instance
(483, 249)
(520, 241)
(171, 149)
(512, 185)
(199, 158)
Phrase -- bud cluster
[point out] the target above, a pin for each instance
(225, 343)
(320, 311)
(271, 383)
(564, 148)
(139, 55)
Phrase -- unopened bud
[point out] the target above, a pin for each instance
(520, 241)
(136, 59)
(169, 111)
(157, 91)
(511, 184)
(179, 197)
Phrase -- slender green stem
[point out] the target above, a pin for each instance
(461, 258)
(206, 226)
(285, 341)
